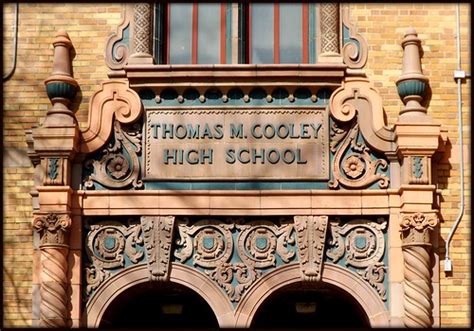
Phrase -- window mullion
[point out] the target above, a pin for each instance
(223, 29)
(195, 45)
(168, 33)
(305, 33)
(276, 33)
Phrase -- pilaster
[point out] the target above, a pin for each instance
(417, 141)
(54, 145)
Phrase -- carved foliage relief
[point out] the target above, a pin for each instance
(53, 229)
(354, 165)
(110, 247)
(360, 245)
(233, 252)
(117, 166)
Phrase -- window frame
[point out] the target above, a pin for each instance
(276, 33)
(161, 34)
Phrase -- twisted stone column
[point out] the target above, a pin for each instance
(54, 230)
(416, 230)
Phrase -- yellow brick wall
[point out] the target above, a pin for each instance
(383, 25)
(25, 103)
(89, 25)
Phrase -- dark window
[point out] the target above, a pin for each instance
(212, 33)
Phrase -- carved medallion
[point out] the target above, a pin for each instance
(209, 245)
(110, 246)
(360, 244)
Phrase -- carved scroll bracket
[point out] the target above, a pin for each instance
(358, 96)
(158, 237)
(114, 100)
(118, 44)
(311, 234)
(355, 49)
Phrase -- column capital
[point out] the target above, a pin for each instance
(416, 228)
(53, 229)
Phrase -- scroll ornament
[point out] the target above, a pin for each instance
(209, 244)
(118, 166)
(109, 246)
(355, 47)
(53, 229)
(353, 165)
(362, 245)
(118, 44)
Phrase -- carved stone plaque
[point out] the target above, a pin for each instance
(237, 144)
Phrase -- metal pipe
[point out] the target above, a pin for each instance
(15, 44)
(447, 262)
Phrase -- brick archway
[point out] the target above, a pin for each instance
(332, 274)
(180, 274)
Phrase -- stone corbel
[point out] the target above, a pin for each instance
(54, 229)
(118, 46)
(158, 238)
(311, 237)
(357, 96)
(416, 229)
(116, 100)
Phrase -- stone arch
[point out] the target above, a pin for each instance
(180, 274)
(333, 274)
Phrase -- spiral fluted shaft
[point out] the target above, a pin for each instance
(54, 296)
(417, 298)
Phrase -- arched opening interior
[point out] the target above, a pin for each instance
(159, 305)
(302, 305)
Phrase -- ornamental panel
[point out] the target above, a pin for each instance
(205, 144)
(236, 252)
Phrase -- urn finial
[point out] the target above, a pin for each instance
(412, 83)
(61, 87)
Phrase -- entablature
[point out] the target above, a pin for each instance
(244, 203)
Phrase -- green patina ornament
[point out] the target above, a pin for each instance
(61, 90)
(411, 87)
